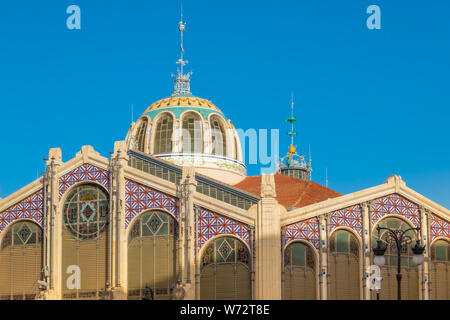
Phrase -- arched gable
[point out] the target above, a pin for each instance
(31, 208)
(85, 172)
(395, 204)
(139, 198)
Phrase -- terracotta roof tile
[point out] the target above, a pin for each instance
(291, 192)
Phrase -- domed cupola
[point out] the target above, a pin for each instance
(293, 164)
(189, 131)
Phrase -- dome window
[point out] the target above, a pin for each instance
(163, 135)
(219, 145)
(192, 134)
(141, 135)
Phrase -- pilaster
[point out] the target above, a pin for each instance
(118, 162)
(187, 235)
(268, 243)
(424, 269)
(53, 226)
(366, 247)
(323, 257)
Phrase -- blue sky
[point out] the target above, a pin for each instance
(369, 102)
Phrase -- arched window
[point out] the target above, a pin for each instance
(225, 270)
(219, 143)
(410, 275)
(141, 132)
(85, 242)
(163, 135)
(299, 272)
(152, 267)
(344, 266)
(192, 134)
(440, 270)
(20, 261)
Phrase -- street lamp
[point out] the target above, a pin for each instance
(400, 239)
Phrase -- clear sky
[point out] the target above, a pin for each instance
(371, 103)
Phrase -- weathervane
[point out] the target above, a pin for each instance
(182, 85)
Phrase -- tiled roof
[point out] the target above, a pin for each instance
(291, 192)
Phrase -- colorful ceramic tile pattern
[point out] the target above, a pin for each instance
(85, 172)
(347, 217)
(395, 204)
(211, 224)
(304, 230)
(31, 208)
(439, 227)
(139, 198)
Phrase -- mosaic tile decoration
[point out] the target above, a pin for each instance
(304, 230)
(395, 204)
(31, 208)
(347, 217)
(85, 172)
(211, 224)
(439, 227)
(139, 198)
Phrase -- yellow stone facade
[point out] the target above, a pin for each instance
(258, 245)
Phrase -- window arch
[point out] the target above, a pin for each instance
(141, 133)
(344, 266)
(218, 136)
(410, 274)
(192, 133)
(21, 261)
(152, 255)
(440, 270)
(85, 241)
(299, 272)
(163, 135)
(225, 270)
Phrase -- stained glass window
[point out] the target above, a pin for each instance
(163, 135)
(152, 255)
(299, 272)
(225, 270)
(153, 223)
(410, 280)
(86, 212)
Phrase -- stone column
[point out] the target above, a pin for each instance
(54, 225)
(268, 243)
(188, 271)
(323, 258)
(119, 257)
(365, 215)
(425, 268)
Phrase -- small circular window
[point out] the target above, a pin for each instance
(86, 212)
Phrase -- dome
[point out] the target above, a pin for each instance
(190, 131)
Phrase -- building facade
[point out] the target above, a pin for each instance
(171, 214)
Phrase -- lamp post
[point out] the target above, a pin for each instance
(400, 239)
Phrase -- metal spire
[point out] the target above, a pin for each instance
(182, 85)
(292, 119)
